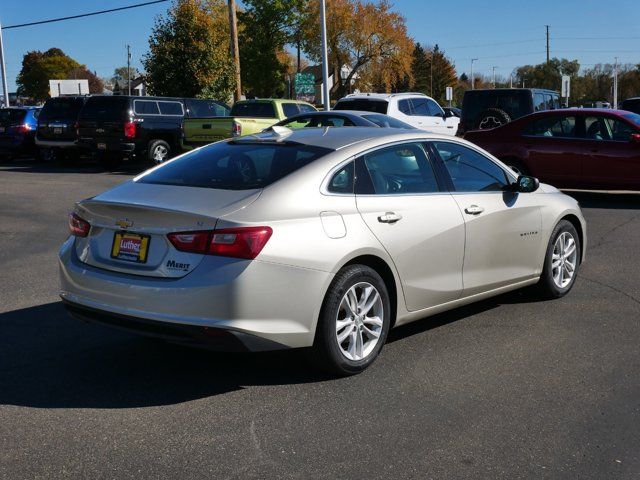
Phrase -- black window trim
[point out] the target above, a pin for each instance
(452, 190)
(157, 102)
(578, 126)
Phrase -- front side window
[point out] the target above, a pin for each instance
(556, 126)
(400, 169)
(538, 102)
(469, 170)
(315, 121)
(420, 107)
(434, 109)
(290, 109)
(619, 131)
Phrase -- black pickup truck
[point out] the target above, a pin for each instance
(118, 127)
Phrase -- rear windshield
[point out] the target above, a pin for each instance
(254, 110)
(363, 104)
(62, 108)
(12, 115)
(235, 166)
(206, 109)
(386, 121)
(516, 103)
(105, 107)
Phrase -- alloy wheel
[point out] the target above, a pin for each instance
(359, 321)
(160, 154)
(564, 260)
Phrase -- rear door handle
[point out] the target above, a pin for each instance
(389, 217)
(474, 210)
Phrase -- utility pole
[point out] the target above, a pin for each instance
(547, 43)
(129, 68)
(493, 81)
(235, 50)
(473, 80)
(325, 65)
(5, 88)
(615, 84)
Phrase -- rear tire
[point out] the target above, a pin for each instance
(159, 151)
(561, 261)
(354, 322)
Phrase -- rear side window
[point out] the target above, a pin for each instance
(146, 107)
(290, 109)
(538, 102)
(556, 126)
(171, 108)
(363, 104)
(112, 107)
(342, 181)
(254, 110)
(62, 108)
(469, 170)
(12, 115)
(400, 169)
(235, 165)
(206, 108)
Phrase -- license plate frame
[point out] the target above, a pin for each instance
(2, 129)
(57, 130)
(102, 146)
(129, 253)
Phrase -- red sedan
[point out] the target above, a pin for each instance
(572, 148)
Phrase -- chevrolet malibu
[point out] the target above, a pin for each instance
(323, 238)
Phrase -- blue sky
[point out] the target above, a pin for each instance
(501, 33)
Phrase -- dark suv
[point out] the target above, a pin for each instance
(631, 105)
(118, 127)
(57, 133)
(490, 108)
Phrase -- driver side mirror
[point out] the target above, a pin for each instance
(527, 184)
(634, 138)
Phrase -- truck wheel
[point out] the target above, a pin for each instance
(158, 151)
(492, 118)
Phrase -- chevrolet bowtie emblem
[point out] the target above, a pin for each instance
(124, 223)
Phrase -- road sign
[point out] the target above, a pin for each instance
(59, 88)
(305, 83)
(449, 93)
(566, 86)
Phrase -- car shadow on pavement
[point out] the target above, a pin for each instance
(607, 200)
(84, 165)
(48, 360)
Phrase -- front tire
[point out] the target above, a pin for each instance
(354, 322)
(561, 262)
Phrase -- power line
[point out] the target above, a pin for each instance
(83, 15)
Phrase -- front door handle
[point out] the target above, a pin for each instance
(474, 210)
(389, 217)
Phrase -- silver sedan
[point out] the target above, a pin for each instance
(323, 238)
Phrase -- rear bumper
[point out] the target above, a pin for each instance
(264, 306)
(125, 148)
(47, 143)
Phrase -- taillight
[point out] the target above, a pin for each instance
(24, 128)
(193, 242)
(130, 130)
(236, 129)
(78, 226)
(244, 242)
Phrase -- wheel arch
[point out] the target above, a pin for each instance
(577, 224)
(383, 269)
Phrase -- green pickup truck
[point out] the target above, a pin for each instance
(246, 117)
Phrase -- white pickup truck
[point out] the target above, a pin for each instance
(416, 109)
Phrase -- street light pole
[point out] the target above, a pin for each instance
(3, 71)
(235, 50)
(615, 84)
(325, 65)
(129, 68)
(473, 81)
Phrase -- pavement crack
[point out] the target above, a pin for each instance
(601, 240)
(622, 292)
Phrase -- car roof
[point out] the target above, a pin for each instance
(580, 110)
(382, 96)
(336, 138)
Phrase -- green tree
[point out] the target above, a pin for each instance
(443, 73)
(120, 74)
(40, 67)
(265, 28)
(189, 51)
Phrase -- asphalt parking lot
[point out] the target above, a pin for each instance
(508, 388)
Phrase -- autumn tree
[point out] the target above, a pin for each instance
(40, 67)
(189, 51)
(369, 38)
(265, 29)
(442, 73)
